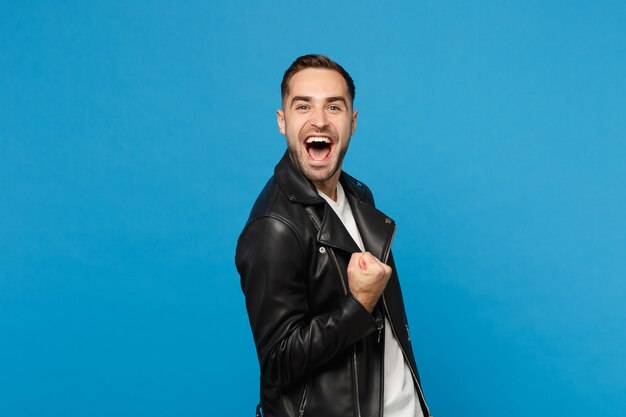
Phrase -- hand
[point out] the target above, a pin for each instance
(367, 277)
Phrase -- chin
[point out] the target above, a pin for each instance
(313, 174)
(319, 176)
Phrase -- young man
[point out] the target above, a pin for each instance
(322, 295)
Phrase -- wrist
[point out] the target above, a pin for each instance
(366, 299)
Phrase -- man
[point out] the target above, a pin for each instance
(322, 295)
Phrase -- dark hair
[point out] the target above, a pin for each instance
(314, 61)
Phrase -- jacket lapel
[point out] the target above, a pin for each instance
(334, 234)
(376, 228)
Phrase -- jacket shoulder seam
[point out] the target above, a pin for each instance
(281, 219)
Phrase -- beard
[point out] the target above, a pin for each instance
(299, 159)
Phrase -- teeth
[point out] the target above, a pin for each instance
(319, 139)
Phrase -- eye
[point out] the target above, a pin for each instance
(334, 107)
(302, 107)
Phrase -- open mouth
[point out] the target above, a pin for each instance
(318, 147)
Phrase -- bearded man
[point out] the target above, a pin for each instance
(322, 294)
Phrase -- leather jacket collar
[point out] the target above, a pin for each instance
(376, 228)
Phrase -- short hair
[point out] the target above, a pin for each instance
(314, 61)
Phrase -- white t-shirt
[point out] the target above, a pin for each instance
(400, 396)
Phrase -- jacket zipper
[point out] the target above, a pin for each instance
(388, 249)
(382, 370)
(303, 400)
(355, 379)
(380, 325)
(419, 388)
(381, 320)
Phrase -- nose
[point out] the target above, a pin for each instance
(319, 119)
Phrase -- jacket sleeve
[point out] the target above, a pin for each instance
(290, 343)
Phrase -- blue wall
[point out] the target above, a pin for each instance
(134, 137)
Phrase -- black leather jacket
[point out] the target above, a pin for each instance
(320, 351)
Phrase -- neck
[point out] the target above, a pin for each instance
(329, 187)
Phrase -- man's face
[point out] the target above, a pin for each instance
(317, 120)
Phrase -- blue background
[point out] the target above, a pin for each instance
(134, 137)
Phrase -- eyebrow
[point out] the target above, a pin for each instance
(308, 99)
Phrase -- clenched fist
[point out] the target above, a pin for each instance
(367, 277)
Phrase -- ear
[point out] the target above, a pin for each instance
(354, 116)
(280, 118)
